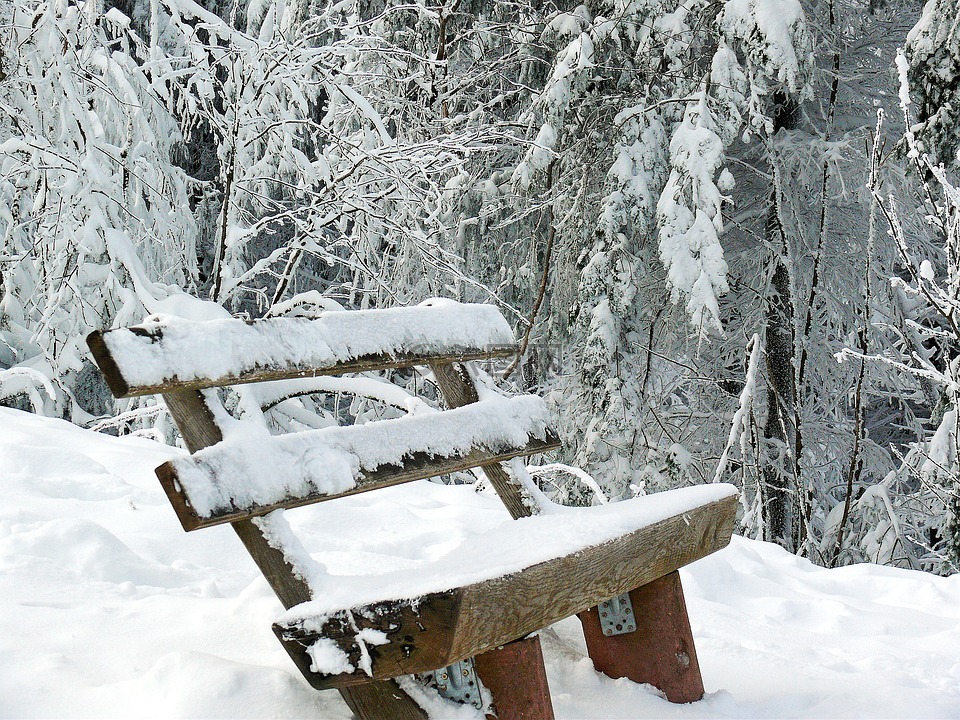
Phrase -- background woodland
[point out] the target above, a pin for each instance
(727, 233)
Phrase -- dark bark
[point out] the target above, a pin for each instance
(780, 345)
(779, 342)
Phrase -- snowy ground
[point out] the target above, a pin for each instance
(108, 609)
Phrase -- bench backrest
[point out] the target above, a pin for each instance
(241, 479)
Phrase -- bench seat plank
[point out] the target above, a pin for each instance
(246, 476)
(501, 585)
(172, 353)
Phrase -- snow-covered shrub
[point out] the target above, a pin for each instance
(921, 501)
(92, 212)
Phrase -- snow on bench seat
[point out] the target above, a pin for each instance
(252, 474)
(172, 353)
(474, 597)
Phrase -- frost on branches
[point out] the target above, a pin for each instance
(246, 159)
(690, 217)
(91, 209)
(913, 514)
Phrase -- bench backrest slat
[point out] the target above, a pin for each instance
(164, 355)
(248, 477)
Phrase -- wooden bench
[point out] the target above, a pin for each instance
(485, 600)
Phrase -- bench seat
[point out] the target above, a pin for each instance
(380, 624)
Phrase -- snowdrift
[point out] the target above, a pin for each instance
(108, 609)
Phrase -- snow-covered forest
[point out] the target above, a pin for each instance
(727, 233)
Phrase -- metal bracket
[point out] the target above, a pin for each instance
(616, 616)
(457, 682)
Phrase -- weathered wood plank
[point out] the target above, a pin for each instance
(194, 418)
(178, 354)
(381, 700)
(549, 592)
(417, 466)
(499, 610)
(226, 482)
(458, 390)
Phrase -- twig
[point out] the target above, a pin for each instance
(548, 252)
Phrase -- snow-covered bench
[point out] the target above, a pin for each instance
(483, 598)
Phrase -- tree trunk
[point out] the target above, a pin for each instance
(779, 343)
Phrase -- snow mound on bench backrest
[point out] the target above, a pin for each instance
(247, 471)
(164, 348)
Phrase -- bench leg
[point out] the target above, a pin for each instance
(515, 677)
(660, 652)
(381, 700)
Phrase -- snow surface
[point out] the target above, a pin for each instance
(253, 469)
(108, 609)
(222, 348)
(504, 548)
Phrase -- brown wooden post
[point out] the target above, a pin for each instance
(515, 671)
(379, 700)
(660, 651)
(506, 672)
(458, 390)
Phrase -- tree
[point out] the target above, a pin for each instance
(90, 220)
(672, 85)
(817, 274)
(933, 53)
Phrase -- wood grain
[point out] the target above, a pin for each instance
(121, 388)
(194, 419)
(458, 390)
(486, 614)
